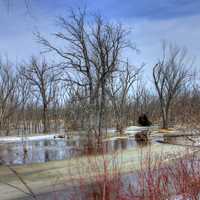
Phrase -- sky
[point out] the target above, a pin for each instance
(151, 22)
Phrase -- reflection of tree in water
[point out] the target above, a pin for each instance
(141, 138)
(11, 158)
(25, 154)
(1, 156)
(47, 150)
(124, 143)
(116, 144)
(46, 143)
(120, 144)
(46, 156)
(143, 143)
(1, 159)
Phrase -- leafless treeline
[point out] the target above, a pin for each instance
(93, 86)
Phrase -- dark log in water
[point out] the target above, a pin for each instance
(59, 136)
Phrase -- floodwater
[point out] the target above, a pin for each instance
(44, 150)
(41, 151)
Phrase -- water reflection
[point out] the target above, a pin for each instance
(56, 149)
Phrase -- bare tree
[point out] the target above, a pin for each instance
(119, 91)
(144, 101)
(8, 98)
(169, 75)
(90, 56)
(43, 78)
(24, 92)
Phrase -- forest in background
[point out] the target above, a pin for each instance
(93, 86)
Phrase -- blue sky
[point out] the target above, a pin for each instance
(151, 21)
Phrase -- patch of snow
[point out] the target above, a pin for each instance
(136, 128)
(132, 130)
(10, 139)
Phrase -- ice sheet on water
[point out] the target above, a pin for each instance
(136, 128)
(8, 139)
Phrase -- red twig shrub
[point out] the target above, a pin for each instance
(158, 181)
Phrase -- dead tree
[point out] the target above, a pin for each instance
(8, 98)
(144, 100)
(42, 78)
(119, 91)
(169, 75)
(24, 93)
(90, 56)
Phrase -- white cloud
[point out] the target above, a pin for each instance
(184, 32)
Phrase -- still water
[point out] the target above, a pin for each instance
(41, 151)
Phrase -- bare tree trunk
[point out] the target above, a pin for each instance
(169, 76)
(164, 119)
(44, 119)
